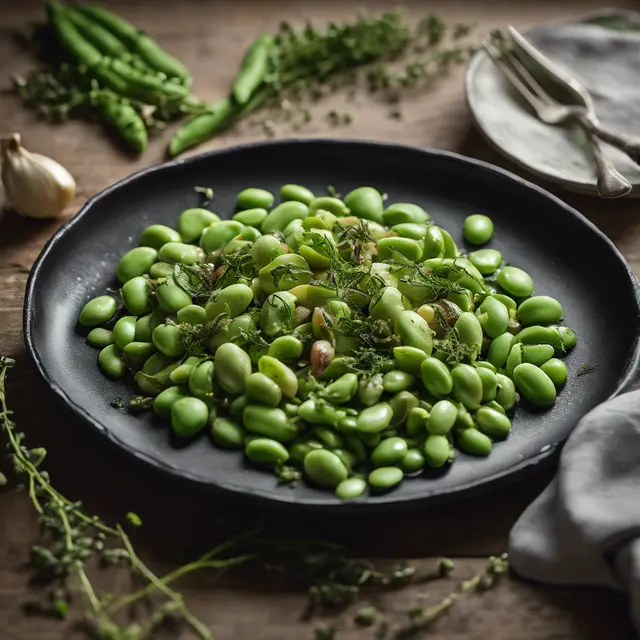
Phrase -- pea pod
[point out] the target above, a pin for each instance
(282, 375)
(535, 385)
(253, 69)
(192, 222)
(467, 386)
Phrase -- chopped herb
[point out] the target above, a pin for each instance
(206, 193)
(586, 369)
(134, 519)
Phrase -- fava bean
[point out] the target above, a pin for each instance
(506, 394)
(514, 359)
(265, 249)
(515, 282)
(402, 212)
(266, 451)
(389, 248)
(283, 214)
(567, 335)
(188, 417)
(285, 348)
(413, 461)
(437, 451)
(137, 296)
(401, 405)
(442, 417)
(269, 421)
(232, 368)
(493, 423)
(395, 381)
(489, 383)
(375, 418)
(342, 389)
(232, 300)
(409, 359)
(467, 386)
(160, 270)
(332, 205)
(556, 370)
(537, 354)
(413, 331)
(110, 361)
(385, 478)
(370, 388)
(136, 262)
(539, 310)
(351, 488)
(324, 468)
(499, 350)
(296, 192)
(494, 317)
(100, 338)
(157, 235)
(263, 389)
(98, 311)
(228, 434)
(201, 380)
(282, 375)
(417, 421)
(192, 314)
(469, 331)
(136, 354)
(486, 261)
(182, 373)
(477, 229)
(179, 252)
(365, 202)
(436, 377)
(219, 235)
(124, 331)
(535, 385)
(253, 198)
(388, 304)
(164, 401)
(474, 442)
(389, 452)
(170, 296)
(251, 217)
(192, 222)
(540, 335)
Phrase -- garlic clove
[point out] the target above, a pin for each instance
(36, 186)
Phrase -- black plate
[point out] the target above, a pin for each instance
(568, 257)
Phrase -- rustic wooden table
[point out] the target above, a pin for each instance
(210, 37)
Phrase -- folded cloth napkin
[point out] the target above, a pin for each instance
(584, 529)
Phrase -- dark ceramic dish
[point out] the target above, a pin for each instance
(568, 257)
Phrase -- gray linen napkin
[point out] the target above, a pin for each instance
(584, 529)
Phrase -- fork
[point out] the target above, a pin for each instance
(610, 182)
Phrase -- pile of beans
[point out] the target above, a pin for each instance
(344, 340)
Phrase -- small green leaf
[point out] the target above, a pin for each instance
(134, 519)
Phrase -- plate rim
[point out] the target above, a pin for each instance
(583, 188)
(284, 498)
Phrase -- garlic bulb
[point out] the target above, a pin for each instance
(35, 186)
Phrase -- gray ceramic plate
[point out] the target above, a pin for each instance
(601, 50)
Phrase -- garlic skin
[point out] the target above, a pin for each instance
(35, 185)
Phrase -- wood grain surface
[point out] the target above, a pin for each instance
(210, 38)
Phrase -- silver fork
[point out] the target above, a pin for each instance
(610, 182)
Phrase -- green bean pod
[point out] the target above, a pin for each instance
(253, 69)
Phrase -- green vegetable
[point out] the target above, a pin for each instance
(477, 229)
(253, 70)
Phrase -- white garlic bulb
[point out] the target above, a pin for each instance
(35, 186)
